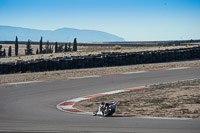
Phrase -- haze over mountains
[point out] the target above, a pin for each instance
(8, 33)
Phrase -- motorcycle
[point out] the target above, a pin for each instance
(106, 109)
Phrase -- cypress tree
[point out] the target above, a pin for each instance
(56, 47)
(16, 46)
(75, 45)
(9, 51)
(66, 49)
(41, 46)
(28, 50)
(69, 47)
(4, 52)
(37, 51)
(1, 52)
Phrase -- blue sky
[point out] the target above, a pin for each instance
(134, 20)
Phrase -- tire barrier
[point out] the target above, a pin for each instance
(105, 59)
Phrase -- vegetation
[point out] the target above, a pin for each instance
(41, 46)
(16, 46)
(69, 47)
(117, 47)
(60, 48)
(75, 45)
(56, 47)
(37, 51)
(48, 48)
(66, 48)
(2, 53)
(28, 50)
(10, 51)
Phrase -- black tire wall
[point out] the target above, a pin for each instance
(100, 60)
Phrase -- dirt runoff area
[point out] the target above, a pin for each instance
(180, 99)
(64, 74)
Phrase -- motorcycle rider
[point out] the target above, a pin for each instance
(99, 110)
(103, 106)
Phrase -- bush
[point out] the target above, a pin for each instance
(117, 47)
(28, 50)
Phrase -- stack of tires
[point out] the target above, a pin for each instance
(100, 60)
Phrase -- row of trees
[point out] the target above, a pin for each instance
(56, 47)
(42, 50)
(2, 52)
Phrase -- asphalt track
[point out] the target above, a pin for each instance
(32, 107)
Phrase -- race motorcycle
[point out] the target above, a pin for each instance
(105, 109)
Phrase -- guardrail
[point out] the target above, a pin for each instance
(100, 60)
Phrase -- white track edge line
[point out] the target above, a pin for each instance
(29, 131)
(77, 99)
(113, 92)
(92, 76)
(165, 118)
(134, 72)
(178, 68)
(28, 82)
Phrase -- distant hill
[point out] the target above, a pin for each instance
(8, 33)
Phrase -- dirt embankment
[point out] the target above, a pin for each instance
(180, 99)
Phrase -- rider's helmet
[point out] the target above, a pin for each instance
(107, 104)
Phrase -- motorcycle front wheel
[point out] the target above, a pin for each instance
(107, 112)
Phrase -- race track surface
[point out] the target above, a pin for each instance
(32, 107)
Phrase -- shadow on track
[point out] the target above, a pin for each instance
(120, 115)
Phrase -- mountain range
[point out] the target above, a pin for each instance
(8, 33)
